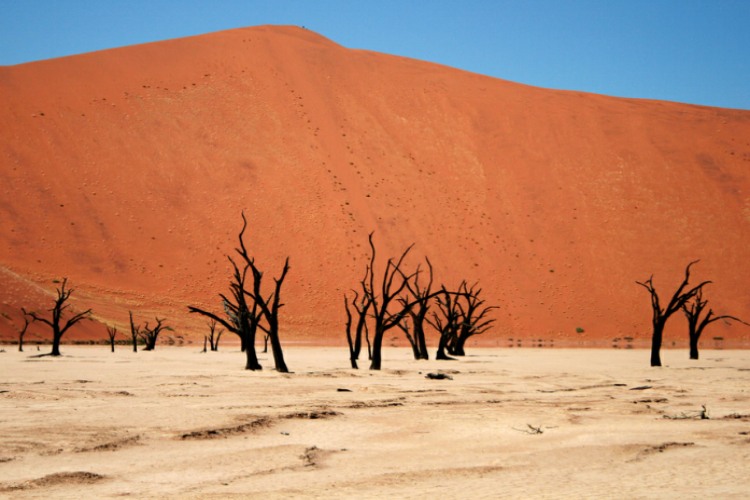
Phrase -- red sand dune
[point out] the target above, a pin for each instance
(126, 170)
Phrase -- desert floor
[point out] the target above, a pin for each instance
(515, 423)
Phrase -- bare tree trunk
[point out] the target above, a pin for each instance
(694, 346)
(656, 340)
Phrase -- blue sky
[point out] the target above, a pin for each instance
(694, 51)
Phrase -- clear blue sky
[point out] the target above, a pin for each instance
(695, 51)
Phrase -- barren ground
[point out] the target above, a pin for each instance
(510, 423)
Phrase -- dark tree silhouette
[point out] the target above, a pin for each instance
(422, 298)
(248, 307)
(151, 335)
(60, 307)
(661, 315)
(386, 311)
(361, 304)
(112, 333)
(240, 319)
(135, 332)
(693, 310)
(355, 339)
(446, 320)
(473, 317)
(269, 308)
(22, 331)
(214, 336)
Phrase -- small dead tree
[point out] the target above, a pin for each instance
(22, 331)
(151, 335)
(135, 332)
(660, 315)
(473, 317)
(112, 333)
(693, 310)
(214, 336)
(60, 307)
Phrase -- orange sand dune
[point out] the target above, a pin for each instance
(126, 170)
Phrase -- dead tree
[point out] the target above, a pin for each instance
(696, 324)
(22, 331)
(247, 308)
(214, 336)
(422, 297)
(661, 315)
(58, 330)
(269, 308)
(473, 317)
(241, 319)
(446, 320)
(386, 311)
(151, 335)
(112, 333)
(361, 304)
(135, 332)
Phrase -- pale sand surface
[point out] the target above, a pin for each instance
(182, 424)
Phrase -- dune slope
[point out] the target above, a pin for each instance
(126, 170)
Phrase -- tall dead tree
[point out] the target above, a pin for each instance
(112, 333)
(60, 307)
(660, 315)
(135, 332)
(248, 307)
(386, 311)
(241, 318)
(693, 310)
(151, 335)
(422, 298)
(269, 308)
(473, 317)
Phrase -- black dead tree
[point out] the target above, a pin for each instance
(361, 304)
(386, 311)
(446, 320)
(422, 298)
(693, 310)
(151, 335)
(60, 307)
(112, 333)
(248, 308)
(660, 315)
(472, 315)
(241, 318)
(213, 336)
(269, 308)
(135, 332)
(22, 330)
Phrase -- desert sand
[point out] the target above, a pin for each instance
(126, 171)
(508, 423)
